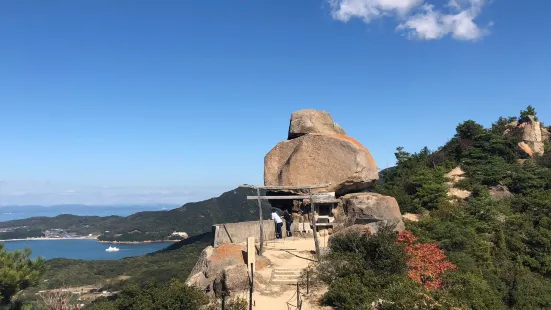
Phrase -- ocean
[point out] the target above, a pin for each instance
(88, 249)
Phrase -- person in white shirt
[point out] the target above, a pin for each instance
(278, 223)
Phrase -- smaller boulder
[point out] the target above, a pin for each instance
(372, 210)
(312, 121)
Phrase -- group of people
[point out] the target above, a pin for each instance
(279, 223)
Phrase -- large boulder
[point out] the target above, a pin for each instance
(371, 209)
(312, 121)
(321, 159)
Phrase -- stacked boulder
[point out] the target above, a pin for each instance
(318, 151)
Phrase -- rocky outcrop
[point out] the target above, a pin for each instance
(459, 193)
(223, 265)
(312, 121)
(412, 217)
(545, 135)
(454, 176)
(372, 210)
(499, 192)
(320, 153)
(532, 133)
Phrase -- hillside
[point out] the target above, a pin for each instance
(497, 232)
(193, 218)
(175, 261)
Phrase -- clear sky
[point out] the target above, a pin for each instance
(169, 101)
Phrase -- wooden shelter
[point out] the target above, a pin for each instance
(324, 199)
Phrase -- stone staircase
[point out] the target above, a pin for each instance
(285, 276)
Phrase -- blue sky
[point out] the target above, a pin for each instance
(169, 101)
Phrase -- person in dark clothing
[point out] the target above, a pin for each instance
(288, 221)
(278, 223)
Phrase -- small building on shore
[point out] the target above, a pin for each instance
(180, 234)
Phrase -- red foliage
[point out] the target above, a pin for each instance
(426, 261)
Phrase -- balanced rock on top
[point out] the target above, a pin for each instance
(312, 121)
(321, 154)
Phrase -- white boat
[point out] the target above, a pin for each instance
(112, 249)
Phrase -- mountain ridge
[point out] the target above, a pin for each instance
(193, 218)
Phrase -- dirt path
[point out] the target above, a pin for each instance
(288, 256)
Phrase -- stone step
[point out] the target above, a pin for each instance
(285, 276)
(288, 269)
(284, 281)
(296, 273)
(279, 275)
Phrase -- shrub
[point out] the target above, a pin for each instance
(426, 261)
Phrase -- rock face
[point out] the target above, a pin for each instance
(321, 159)
(372, 210)
(526, 148)
(533, 134)
(545, 134)
(456, 175)
(312, 121)
(224, 264)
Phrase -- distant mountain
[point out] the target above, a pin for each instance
(193, 218)
(8, 213)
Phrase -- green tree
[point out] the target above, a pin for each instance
(18, 272)
(401, 155)
(469, 130)
(530, 111)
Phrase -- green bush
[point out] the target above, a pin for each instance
(175, 296)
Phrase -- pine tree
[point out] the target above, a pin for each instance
(18, 272)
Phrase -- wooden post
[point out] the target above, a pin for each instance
(316, 241)
(307, 281)
(298, 297)
(251, 289)
(261, 222)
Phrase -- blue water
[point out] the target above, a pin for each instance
(82, 249)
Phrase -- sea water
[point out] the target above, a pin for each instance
(88, 249)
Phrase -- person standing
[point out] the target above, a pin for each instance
(288, 221)
(278, 223)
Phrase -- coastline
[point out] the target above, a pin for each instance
(138, 242)
(45, 238)
(91, 238)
